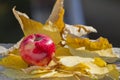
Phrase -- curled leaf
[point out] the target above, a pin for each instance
(77, 30)
(30, 26)
(81, 60)
(98, 61)
(62, 51)
(52, 31)
(105, 54)
(57, 15)
(92, 45)
(13, 61)
(86, 66)
(59, 22)
(27, 25)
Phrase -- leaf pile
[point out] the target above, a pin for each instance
(76, 57)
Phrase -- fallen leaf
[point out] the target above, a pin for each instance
(77, 30)
(62, 51)
(86, 66)
(100, 62)
(57, 15)
(92, 45)
(105, 54)
(30, 26)
(27, 25)
(13, 61)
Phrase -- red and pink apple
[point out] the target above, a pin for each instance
(37, 49)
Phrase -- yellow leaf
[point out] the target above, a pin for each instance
(13, 61)
(113, 72)
(52, 31)
(30, 26)
(57, 15)
(59, 22)
(106, 54)
(71, 61)
(99, 44)
(61, 51)
(86, 66)
(100, 62)
(15, 51)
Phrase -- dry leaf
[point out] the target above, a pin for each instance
(59, 22)
(77, 30)
(92, 45)
(70, 66)
(86, 66)
(13, 61)
(62, 51)
(85, 47)
(28, 26)
(31, 27)
(79, 61)
(52, 31)
(100, 62)
(105, 54)
(57, 15)
(71, 61)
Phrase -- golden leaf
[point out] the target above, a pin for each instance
(113, 72)
(52, 31)
(59, 22)
(61, 51)
(28, 26)
(15, 51)
(100, 62)
(13, 61)
(106, 54)
(92, 45)
(64, 71)
(57, 15)
(86, 66)
(31, 27)
(77, 62)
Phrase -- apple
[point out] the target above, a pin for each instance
(37, 49)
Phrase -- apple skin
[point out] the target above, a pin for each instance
(37, 49)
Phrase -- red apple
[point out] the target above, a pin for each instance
(37, 49)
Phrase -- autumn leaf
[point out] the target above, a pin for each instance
(62, 51)
(59, 22)
(99, 44)
(100, 62)
(19, 75)
(78, 59)
(77, 30)
(87, 66)
(13, 61)
(57, 15)
(30, 26)
(106, 54)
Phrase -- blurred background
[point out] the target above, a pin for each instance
(104, 15)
